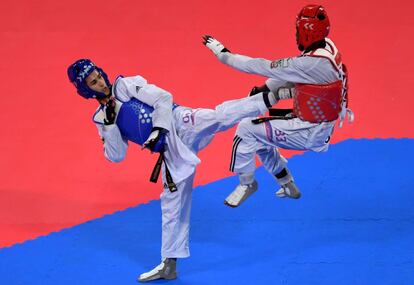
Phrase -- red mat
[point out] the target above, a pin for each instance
(53, 173)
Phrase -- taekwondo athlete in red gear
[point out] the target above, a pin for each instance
(132, 110)
(316, 81)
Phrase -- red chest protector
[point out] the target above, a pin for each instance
(318, 103)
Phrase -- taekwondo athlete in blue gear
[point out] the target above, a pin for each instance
(132, 110)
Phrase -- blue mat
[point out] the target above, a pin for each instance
(353, 225)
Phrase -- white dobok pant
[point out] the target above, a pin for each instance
(196, 129)
(264, 139)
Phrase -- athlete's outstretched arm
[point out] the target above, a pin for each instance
(287, 70)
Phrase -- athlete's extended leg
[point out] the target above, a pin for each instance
(196, 127)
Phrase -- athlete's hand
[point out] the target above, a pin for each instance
(110, 113)
(156, 140)
(214, 45)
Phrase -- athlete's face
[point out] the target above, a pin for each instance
(97, 83)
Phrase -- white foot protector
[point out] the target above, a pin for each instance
(240, 194)
(166, 270)
(289, 190)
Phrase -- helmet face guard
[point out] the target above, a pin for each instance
(312, 25)
(79, 71)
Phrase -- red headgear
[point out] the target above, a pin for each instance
(312, 25)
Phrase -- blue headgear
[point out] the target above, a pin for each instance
(77, 74)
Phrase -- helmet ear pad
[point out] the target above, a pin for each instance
(312, 25)
(321, 16)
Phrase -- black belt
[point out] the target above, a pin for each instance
(156, 173)
(275, 114)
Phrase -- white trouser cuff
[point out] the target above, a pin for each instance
(175, 254)
(246, 178)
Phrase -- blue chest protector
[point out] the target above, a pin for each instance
(135, 121)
